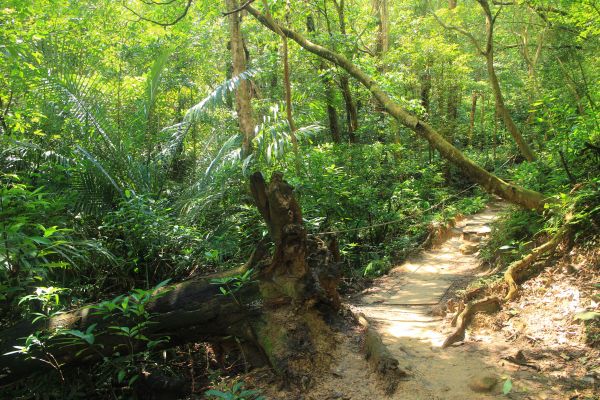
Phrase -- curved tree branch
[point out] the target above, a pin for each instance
(171, 23)
(512, 193)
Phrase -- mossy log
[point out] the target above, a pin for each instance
(280, 314)
(190, 311)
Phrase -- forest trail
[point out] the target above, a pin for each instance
(404, 307)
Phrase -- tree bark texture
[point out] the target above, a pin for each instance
(332, 115)
(474, 96)
(351, 110)
(381, 11)
(243, 94)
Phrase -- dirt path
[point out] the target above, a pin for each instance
(403, 307)
(403, 304)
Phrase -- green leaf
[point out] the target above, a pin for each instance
(237, 386)
(132, 380)
(507, 387)
(50, 231)
(125, 303)
(121, 375)
(587, 316)
(216, 393)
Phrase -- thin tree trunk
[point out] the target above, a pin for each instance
(287, 84)
(572, 86)
(499, 99)
(332, 115)
(490, 182)
(474, 96)
(381, 12)
(351, 110)
(243, 92)
(334, 126)
(426, 101)
(495, 135)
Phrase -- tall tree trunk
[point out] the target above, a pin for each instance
(381, 11)
(243, 93)
(332, 115)
(426, 99)
(495, 84)
(351, 110)
(425, 90)
(482, 122)
(490, 182)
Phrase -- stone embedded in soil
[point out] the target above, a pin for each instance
(482, 384)
(469, 248)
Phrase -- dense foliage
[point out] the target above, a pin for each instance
(120, 150)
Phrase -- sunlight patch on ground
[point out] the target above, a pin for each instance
(421, 331)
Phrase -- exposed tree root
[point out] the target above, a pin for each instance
(520, 270)
(380, 358)
(516, 273)
(488, 305)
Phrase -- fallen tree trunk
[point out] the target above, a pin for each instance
(512, 193)
(192, 310)
(279, 314)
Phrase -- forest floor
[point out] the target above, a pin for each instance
(406, 308)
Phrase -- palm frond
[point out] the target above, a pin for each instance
(153, 80)
(218, 96)
(100, 168)
(94, 193)
(229, 151)
(197, 113)
(273, 138)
